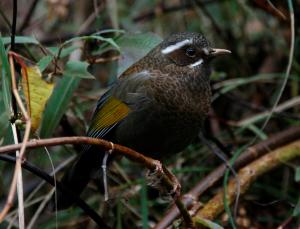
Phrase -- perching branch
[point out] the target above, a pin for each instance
(151, 164)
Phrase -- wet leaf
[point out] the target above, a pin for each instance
(37, 92)
(58, 104)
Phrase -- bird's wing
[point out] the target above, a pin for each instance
(107, 116)
(117, 103)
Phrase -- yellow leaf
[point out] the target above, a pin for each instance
(37, 92)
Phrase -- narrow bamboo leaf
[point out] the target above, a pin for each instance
(208, 223)
(20, 40)
(109, 31)
(77, 69)
(92, 37)
(5, 77)
(4, 121)
(297, 174)
(257, 131)
(144, 205)
(64, 52)
(296, 211)
(68, 50)
(58, 104)
(44, 62)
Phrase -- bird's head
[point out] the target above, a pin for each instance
(189, 49)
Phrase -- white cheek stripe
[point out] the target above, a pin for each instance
(206, 51)
(199, 62)
(176, 46)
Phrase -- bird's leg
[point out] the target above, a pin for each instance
(104, 166)
(176, 190)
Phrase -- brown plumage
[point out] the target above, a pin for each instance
(157, 106)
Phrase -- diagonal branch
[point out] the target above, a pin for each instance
(151, 164)
(247, 176)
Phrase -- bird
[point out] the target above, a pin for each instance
(156, 107)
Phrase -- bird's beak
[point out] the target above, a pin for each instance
(219, 52)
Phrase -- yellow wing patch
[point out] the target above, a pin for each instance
(112, 111)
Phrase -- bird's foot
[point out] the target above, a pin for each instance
(155, 180)
(176, 190)
(154, 177)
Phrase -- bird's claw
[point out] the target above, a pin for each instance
(176, 190)
(155, 180)
(154, 177)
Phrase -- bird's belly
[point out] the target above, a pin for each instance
(156, 134)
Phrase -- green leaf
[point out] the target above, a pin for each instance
(134, 47)
(20, 40)
(64, 52)
(77, 69)
(231, 84)
(257, 131)
(4, 122)
(44, 62)
(109, 31)
(58, 104)
(144, 205)
(67, 51)
(91, 37)
(207, 223)
(296, 211)
(297, 174)
(5, 77)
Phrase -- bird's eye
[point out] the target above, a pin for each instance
(190, 52)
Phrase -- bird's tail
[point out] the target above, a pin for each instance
(77, 177)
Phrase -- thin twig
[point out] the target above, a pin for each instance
(289, 66)
(40, 209)
(33, 169)
(86, 24)
(28, 16)
(247, 176)
(15, 102)
(14, 25)
(19, 182)
(13, 215)
(277, 99)
(270, 8)
(249, 155)
(215, 25)
(293, 102)
(5, 19)
(20, 156)
(167, 9)
(131, 154)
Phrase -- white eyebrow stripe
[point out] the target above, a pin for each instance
(199, 62)
(176, 46)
